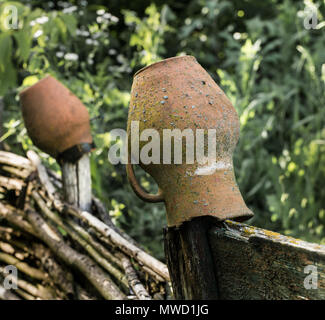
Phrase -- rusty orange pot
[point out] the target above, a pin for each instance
(55, 119)
(177, 93)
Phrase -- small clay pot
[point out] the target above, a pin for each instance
(55, 119)
(177, 93)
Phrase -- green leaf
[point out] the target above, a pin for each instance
(5, 50)
(24, 43)
(70, 22)
(30, 80)
(8, 74)
(61, 27)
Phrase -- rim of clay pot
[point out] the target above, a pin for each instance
(35, 84)
(162, 61)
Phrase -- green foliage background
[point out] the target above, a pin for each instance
(269, 65)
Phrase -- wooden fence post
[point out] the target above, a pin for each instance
(76, 179)
(190, 261)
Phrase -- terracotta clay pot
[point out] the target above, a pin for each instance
(179, 93)
(55, 118)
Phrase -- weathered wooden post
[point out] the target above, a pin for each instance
(76, 179)
(190, 261)
(177, 93)
(58, 123)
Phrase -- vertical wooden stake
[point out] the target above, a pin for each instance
(190, 261)
(77, 182)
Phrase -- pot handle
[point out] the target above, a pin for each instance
(139, 190)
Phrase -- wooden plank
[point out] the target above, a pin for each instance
(252, 263)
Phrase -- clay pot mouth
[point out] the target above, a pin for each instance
(163, 61)
(23, 92)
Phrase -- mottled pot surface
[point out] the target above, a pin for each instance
(55, 118)
(177, 93)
